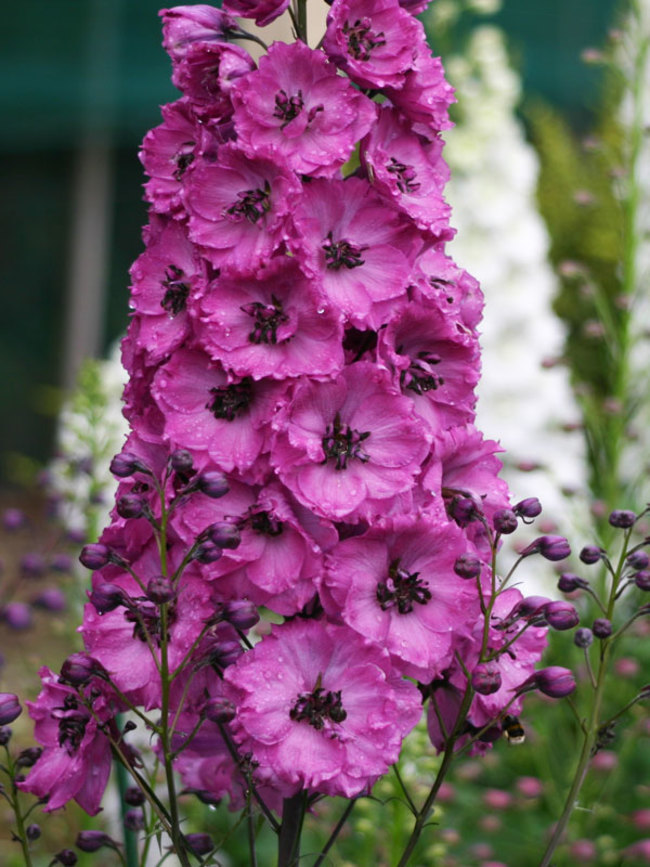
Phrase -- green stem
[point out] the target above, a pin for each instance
(13, 796)
(293, 815)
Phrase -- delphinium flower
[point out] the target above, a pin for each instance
(302, 358)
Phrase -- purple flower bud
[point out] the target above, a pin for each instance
(224, 534)
(28, 757)
(554, 681)
(206, 552)
(33, 565)
(591, 554)
(622, 518)
(530, 605)
(33, 831)
(13, 519)
(61, 563)
(638, 559)
(79, 668)
(5, 735)
(107, 597)
(134, 820)
(467, 566)
(569, 582)
(50, 599)
(160, 590)
(134, 796)
(583, 637)
(66, 857)
(212, 483)
(241, 613)
(199, 844)
(95, 556)
(486, 678)
(463, 510)
(642, 579)
(181, 461)
(528, 509)
(17, 615)
(602, 627)
(550, 547)
(225, 653)
(561, 615)
(130, 506)
(91, 841)
(125, 464)
(219, 710)
(505, 521)
(10, 708)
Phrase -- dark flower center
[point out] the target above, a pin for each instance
(402, 589)
(421, 375)
(183, 158)
(287, 107)
(268, 318)
(317, 706)
(406, 176)
(147, 622)
(72, 724)
(264, 523)
(341, 442)
(229, 401)
(176, 291)
(251, 205)
(339, 254)
(361, 39)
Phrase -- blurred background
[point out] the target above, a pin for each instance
(81, 83)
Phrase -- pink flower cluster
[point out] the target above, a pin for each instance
(302, 357)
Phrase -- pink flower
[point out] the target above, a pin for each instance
(320, 709)
(359, 249)
(77, 760)
(346, 447)
(397, 587)
(272, 324)
(183, 26)
(206, 75)
(374, 41)
(239, 208)
(424, 95)
(296, 105)
(263, 11)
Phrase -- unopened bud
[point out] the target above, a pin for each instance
(583, 637)
(505, 521)
(91, 841)
(622, 518)
(206, 552)
(28, 757)
(79, 668)
(602, 627)
(486, 678)
(219, 710)
(134, 796)
(134, 820)
(561, 615)
(130, 506)
(550, 547)
(10, 708)
(181, 461)
(95, 556)
(107, 597)
(125, 464)
(591, 554)
(642, 579)
(467, 566)
(241, 613)
(212, 483)
(569, 582)
(160, 590)
(33, 831)
(555, 681)
(66, 857)
(528, 508)
(224, 534)
(638, 560)
(199, 844)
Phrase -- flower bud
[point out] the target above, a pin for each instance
(107, 597)
(199, 844)
(486, 678)
(206, 552)
(33, 831)
(622, 518)
(181, 461)
(134, 796)
(219, 710)
(91, 841)
(160, 590)
(561, 615)
(583, 637)
(13, 519)
(550, 547)
(5, 735)
(33, 565)
(467, 566)
(130, 506)
(10, 708)
(28, 757)
(241, 613)
(505, 521)
(134, 820)
(66, 857)
(17, 615)
(95, 556)
(50, 599)
(602, 627)
(463, 510)
(591, 554)
(79, 668)
(213, 484)
(530, 605)
(642, 579)
(569, 582)
(638, 559)
(224, 534)
(554, 681)
(528, 508)
(125, 464)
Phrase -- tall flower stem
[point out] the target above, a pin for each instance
(293, 814)
(12, 796)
